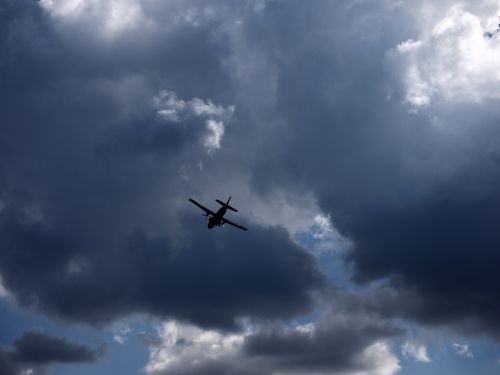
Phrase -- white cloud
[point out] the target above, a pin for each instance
(216, 131)
(324, 225)
(297, 212)
(120, 333)
(381, 360)
(171, 108)
(462, 349)
(184, 348)
(184, 345)
(455, 61)
(416, 351)
(208, 108)
(112, 16)
(325, 236)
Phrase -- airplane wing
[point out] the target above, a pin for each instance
(226, 221)
(207, 211)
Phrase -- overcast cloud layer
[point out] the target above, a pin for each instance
(378, 115)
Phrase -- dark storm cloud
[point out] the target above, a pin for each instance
(90, 238)
(221, 366)
(7, 367)
(152, 135)
(335, 344)
(36, 350)
(208, 280)
(417, 193)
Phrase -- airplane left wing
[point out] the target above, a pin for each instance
(207, 211)
(226, 221)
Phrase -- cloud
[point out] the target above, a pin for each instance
(455, 61)
(106, 131)
(99, 211)
(330, 346)
(120, 333)
(172, 126)
(7, 367)
(415, 193)
(462, 349)
(34, 351)
(416, 351)
(38, 348)
(216, 128)
(3, 292)
(324, 348)
(115, 16)
(180, 345)
(169, 280)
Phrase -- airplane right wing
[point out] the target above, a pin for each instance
(226, 221)
(207, 211)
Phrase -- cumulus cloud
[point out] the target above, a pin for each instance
(34, 351)
(182, 345)
(170, 107)
(319, 348)
(172, 126)
(287, 276)
(416, 351)
(114, 16)
(408, 190)
(113, 114)
(173, 109)
(456, 61)
(100, 213)
(39, 348)
(213, 140)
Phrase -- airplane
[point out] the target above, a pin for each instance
(218, 219)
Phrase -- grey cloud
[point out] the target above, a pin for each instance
(37, 350)
(414, 192)
(89, 238)
(223, 366)
(336, 344)
(209, 280)
(417, 198)
(171, 125)
(7, 367)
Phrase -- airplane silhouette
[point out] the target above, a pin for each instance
(218, 219)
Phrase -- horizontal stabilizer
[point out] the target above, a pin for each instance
(226, 205)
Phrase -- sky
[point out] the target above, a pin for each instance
(359, 140)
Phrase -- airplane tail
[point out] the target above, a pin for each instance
(226, 204)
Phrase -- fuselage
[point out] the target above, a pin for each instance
(217, 219)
